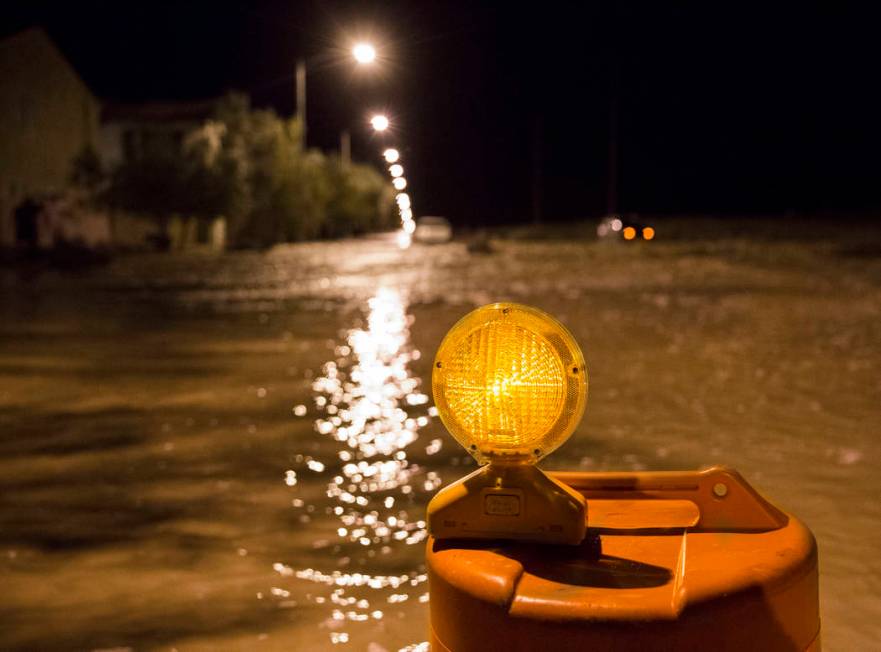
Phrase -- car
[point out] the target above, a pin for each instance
(432, 229)
(614, 227)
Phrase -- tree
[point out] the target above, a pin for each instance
(356, 205)
(153, 185)
(249, 166)
(86, 172)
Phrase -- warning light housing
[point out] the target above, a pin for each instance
(510, 384)
(673, 560)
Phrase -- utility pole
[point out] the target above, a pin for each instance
(536, 169)
(614, 109)
(612, 190)
(301, 100)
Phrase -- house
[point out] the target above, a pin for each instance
(48, 117)
(155, 130)
(129, 131)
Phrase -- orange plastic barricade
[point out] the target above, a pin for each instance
(671, 561)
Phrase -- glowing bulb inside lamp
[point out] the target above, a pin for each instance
(379, 122)
(364, 53)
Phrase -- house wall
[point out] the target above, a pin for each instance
(124, 140)
(47, 117)
(110, 147)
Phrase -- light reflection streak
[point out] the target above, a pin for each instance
(371, 407)
(403, 239)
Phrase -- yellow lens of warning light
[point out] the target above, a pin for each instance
(510, 383)
(648, 233)
(629, 233)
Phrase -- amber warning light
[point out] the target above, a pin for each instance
(510, 384)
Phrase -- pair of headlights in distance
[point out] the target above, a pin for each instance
(631, 232)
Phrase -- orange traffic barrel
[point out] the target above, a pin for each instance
(671, 561)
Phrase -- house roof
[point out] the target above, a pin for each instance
(158, 112)
(146, 112)
(18, 48)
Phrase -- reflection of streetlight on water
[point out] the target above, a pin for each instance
(403, 239)
(371, 406)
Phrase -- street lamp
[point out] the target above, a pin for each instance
(400, 183)
(391, 155)
(301, 99)
(364, 53)
(379, 122)
(396, 170)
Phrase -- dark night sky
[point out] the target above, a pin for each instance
(734, 108)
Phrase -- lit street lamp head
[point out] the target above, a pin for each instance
(364, 53)
(396, 170)
(399, 183)
(379, 122)
(391, 155)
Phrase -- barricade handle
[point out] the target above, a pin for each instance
(725, 500)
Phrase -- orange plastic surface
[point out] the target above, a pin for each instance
(668, 564)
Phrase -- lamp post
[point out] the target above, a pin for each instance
(364, 54)
(301, 99)
(345, 148)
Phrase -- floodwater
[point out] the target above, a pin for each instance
(234, 452)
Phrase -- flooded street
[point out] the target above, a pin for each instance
(235, 452)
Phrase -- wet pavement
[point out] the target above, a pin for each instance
(234, 452)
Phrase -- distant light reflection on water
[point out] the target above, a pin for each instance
(370, 405)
